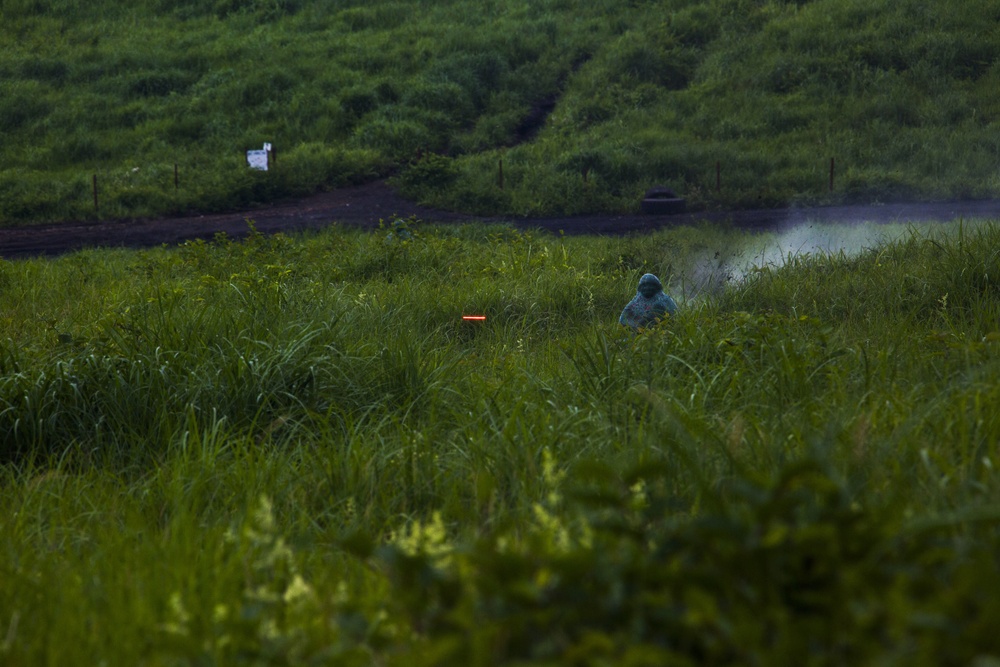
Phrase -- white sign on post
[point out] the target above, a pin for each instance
(260, 159)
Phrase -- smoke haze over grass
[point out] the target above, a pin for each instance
(711, 269)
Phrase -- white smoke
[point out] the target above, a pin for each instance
(712, 270)
(811, 239)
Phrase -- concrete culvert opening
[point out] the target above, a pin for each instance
(662, 200)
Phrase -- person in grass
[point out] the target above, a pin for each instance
(650, 304)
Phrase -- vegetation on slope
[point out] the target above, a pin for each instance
(290, 450)
(585, 105)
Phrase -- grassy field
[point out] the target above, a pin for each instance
(291, 450)
(584, 104)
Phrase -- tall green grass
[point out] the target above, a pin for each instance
(585, 106)
(291, 449)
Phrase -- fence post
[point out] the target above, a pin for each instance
(832, 162)
(718, 176)
(96, 207)
(500, 172)
(176, 180)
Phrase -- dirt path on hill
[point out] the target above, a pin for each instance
(364, 205)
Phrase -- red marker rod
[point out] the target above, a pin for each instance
(474, 318)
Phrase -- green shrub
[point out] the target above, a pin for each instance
(430, 172)
(793, 573)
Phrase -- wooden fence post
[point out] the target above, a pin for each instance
(832, 162)
(96, 207)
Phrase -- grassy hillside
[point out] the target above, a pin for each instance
(292, 451)
(585, 104)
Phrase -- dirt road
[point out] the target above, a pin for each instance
(365, 205)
